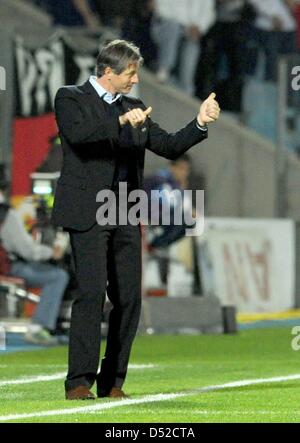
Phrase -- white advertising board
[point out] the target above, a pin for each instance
(249, 263)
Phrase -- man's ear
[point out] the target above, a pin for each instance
(108, 71)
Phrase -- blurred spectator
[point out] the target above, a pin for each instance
(177, 29)
(137, 28)
(111, 13)
(275, 31)
(273, 34)
(27, 257)
(71, 12)
(221, 65)
(166, 180)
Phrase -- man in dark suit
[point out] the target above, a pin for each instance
(104, 136)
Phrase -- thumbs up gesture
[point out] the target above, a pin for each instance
(209, 110)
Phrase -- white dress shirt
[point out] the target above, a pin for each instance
(103, 93)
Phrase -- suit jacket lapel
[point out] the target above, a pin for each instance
(96, 102)
(93, 97)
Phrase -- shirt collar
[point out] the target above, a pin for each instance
(103, 93)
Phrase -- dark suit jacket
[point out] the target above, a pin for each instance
(90, 138)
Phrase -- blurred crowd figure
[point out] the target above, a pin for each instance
(177, 176)
(86, 13)
(35, 263)
(222, 64)
(177, 29)
(244, 32)
(79, 13)
(228, 46)
(137, 26)
(275, 30)
(166, 180)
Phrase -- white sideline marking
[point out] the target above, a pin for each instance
(40, 366)
(148, 398)
(148, 366)
(57, 376)
(33, 379)
(239, 412)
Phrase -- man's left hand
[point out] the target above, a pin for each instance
(209, 110)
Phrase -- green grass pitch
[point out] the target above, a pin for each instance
(181, 364)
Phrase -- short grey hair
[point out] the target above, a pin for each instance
(117, 55)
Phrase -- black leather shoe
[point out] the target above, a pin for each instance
(80, 393)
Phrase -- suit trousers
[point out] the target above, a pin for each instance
(107, 260)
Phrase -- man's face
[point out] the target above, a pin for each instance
(123, 83)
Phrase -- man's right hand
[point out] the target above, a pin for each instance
(135, 117)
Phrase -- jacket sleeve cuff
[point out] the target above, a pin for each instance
(201, 128)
